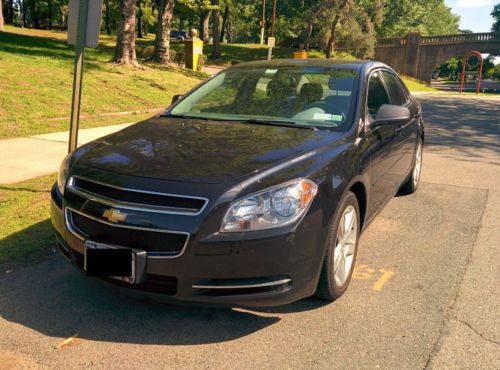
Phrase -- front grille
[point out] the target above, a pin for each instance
(155, 242)
(153, 201)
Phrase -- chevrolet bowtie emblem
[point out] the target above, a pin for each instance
(114, 215)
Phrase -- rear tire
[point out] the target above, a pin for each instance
(411, 185)
(341, 250)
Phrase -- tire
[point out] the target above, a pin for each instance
(330, 285)
(411, 184)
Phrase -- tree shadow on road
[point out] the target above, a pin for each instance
(466, 125)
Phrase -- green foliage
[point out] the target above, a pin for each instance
(430, 17)
(496, 17)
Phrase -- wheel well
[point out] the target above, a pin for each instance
(360, 192)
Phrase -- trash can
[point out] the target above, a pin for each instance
(193, 49)
(301, 54)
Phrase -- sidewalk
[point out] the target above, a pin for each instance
(25, 158)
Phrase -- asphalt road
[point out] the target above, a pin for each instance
(488, 86)
(425, 292)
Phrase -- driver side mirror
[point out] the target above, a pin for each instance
(389, 113)
(175, 98)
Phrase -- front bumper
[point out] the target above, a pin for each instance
(267, 270)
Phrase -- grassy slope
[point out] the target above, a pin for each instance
(36, 79)
(416, 85)
(25, 230)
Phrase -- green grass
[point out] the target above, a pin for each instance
(25, 230)
(36, 81)
(416, 85)
(248, 52)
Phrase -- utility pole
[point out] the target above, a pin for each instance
(274, 19)
(263, 22)
(271, 41)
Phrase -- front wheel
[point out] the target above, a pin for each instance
(341, 250)
(411, 185)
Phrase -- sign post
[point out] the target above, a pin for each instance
(83, 31)
(271, 43)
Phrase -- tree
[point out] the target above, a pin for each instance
(216, 29)
(162, 40)
(125, 42)
(496, 16)
(1, 17)
(333, 29)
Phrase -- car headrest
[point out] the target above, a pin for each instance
(310, 92)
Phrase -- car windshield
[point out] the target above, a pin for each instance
(308, 97)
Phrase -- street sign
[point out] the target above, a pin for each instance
(94, 12)
(271, 42)
(83, 31)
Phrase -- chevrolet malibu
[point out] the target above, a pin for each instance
(250, 190)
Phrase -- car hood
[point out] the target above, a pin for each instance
(202, 151)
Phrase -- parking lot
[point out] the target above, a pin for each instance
(424, 294)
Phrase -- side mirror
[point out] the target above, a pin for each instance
(389, 113)
(175, 98)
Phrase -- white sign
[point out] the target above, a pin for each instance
(93, 22)
(271, 42)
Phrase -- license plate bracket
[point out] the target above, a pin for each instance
(113, 261)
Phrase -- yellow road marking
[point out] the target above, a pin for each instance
(69, 341)
(386, 275)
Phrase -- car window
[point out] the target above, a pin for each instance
(377, 94)
(398, 95)
(321, 97)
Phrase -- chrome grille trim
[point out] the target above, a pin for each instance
(73, 230)
(246, 286)
(135, 206)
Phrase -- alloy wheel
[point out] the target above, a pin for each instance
(345, 246)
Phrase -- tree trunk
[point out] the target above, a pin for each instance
(216, 30)
(333, 35)
(139, 20)
(1, 17)
(204, 26)
(307, 40)
(225, 18)
(10, 13)
(125, 42)
(106, 18)
(49, 13)
(162, 40)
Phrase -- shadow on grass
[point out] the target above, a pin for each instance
(28, 245)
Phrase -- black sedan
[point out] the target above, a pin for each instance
(250, 190)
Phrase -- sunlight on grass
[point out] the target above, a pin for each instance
(25, 230)
(36, 73)
(415, 85)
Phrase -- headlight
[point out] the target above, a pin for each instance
(62, 177)
(274, 207)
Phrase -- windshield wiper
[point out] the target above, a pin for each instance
(272, 122)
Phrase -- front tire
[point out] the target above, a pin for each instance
(411, 185)
(341, 250)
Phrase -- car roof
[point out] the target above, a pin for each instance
(356, 65)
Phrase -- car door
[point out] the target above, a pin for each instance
(381, 142)
(406, 136)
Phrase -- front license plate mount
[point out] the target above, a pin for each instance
(113, 261)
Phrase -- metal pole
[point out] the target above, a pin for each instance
(274, 19)
(83, 10)
(263, 26)
(462, 75)
(480, 73)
